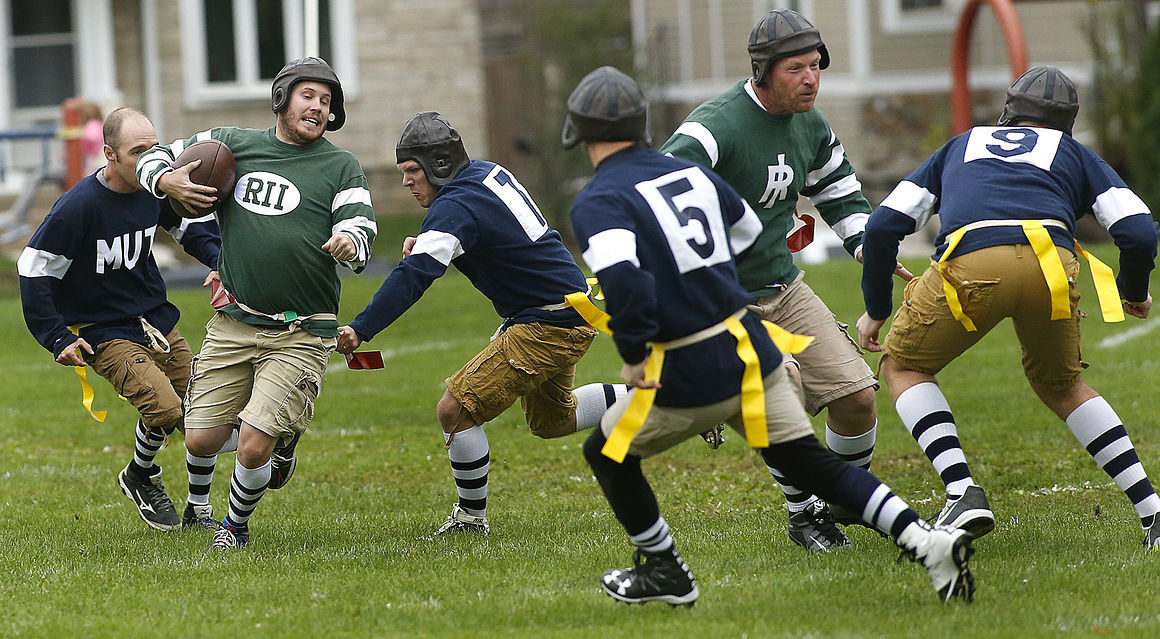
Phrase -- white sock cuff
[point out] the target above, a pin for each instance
(467, 445)
(851, 444)
(252, 478)
(918, 401)
(1092, 419)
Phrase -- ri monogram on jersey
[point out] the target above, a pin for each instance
(770, 160)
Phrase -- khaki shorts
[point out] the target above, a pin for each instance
(832, 366)
(535, 363)
(992, 284)
(266, 377)
(153, 381)
(665, 427)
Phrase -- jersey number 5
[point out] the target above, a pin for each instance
(507, 188)
(686, 207)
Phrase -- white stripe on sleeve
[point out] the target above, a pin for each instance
(912, 201)
(851, 225)
(611, 247)
(37, 263)
(1117, 203)
(444, 247)
(355, 195)
(702, 134)
(744, 232)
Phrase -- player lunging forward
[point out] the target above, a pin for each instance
(481, 219)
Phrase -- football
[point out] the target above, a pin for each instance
(217, 169)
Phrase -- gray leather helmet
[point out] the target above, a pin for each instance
(429, 139)
(309, 68)
(607, 106)
(1042, 95)
(783, 33)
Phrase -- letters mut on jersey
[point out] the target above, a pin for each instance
(91, 262)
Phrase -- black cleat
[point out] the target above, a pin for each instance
(814, 529)
(148, 494)
(662, 576)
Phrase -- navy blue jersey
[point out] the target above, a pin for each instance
(662, 233)
(487, 225)
(1008, 173)
(91, 262)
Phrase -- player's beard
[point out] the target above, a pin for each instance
(287, 123)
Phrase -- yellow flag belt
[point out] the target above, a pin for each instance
(1049, 263)
(752, 386)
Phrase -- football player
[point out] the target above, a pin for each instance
(482, 220)
(93, 296)
(300, 207)
(769, 142)
(662, 233)
(1008, 198)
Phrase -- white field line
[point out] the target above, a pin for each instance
(1132, 333)
(389, 353)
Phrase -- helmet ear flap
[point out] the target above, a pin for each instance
(279, 98)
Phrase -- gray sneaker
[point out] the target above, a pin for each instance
(461, 522)
(149, 496)
(969, 512)
(814, 529)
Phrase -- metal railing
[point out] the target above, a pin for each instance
(14, 222)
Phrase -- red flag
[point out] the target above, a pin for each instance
(802, 232)
(364, 361)
(218, 295)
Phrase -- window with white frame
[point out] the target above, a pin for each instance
(42, 46)
(919, 16)
(232, 49)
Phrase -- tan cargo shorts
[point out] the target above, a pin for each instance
(267, 377)
(535, 363)
(665, 427)
(153, 381)
(832, 366)
(992, 284)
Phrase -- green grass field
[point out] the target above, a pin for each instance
(339, 552)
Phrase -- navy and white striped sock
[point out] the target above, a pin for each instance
(655, 539)
(927, 415)
(1099, 429)
(246, 489)
(145, 448)
(200, 471)
(470, 461)
(593, 400)
(796, 499)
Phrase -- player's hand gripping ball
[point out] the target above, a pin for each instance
(217, 169)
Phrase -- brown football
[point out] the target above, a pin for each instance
(217, 169)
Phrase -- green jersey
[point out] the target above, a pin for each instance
(288, 201)
(771, 159)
